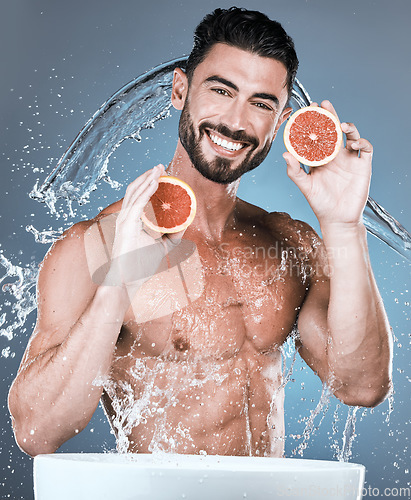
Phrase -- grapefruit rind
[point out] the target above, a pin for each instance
(301, 159)
(176, 181)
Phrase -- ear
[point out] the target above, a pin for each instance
(283, 117)
(179, 90)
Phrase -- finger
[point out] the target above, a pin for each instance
(141, 187)
(147, 184)
(351, 133)
(173, 239)
(363, 146)
(135, 205)
(141, 197)
(296, 173)
(329, 107)
(141, 181)
(134, 184)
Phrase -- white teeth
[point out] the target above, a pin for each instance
(231, 146)
(216, 140)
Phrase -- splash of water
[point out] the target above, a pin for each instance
(345, 452)
(46, 236)
(23, 293)
(133, 108)
(288, 351)
(137, 106)
(390, 407)
(132, 411)
(311, 426)
(383, 225)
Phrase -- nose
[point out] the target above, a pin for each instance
(234, 115)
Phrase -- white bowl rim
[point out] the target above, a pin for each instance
(210, 462)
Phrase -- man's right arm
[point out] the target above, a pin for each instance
(53, 396)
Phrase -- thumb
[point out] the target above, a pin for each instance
(296, 173)
(172, 240)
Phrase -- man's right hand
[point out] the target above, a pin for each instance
(136, 254)
(129, 233)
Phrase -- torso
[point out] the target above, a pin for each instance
(197, 366)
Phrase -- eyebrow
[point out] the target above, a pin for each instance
(258, 95)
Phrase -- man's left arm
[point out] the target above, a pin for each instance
(344, 331)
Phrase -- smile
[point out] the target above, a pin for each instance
(224, 143)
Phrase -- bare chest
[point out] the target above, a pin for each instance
(213, 303)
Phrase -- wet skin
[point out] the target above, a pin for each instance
(218, 356)
(248, 303)
(189, 361)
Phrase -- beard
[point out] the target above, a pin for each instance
(218, 170)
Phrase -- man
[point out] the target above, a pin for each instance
(197, 368)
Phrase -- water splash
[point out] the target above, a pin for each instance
(345, 453)
(133, 108)
(23, 294)
(46, 236)
(137, 106)
(316, 417)
(153, 404)
(383, 225)
(390, 407)
(311, 426)
(288, 351)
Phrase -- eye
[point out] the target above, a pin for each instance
(261, 105)
(220, 91)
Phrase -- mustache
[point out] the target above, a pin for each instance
(235, 135)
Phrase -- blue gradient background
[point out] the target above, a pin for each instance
(60, 61)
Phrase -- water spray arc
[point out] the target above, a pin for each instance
(136, 107)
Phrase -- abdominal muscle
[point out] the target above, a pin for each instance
(227, 407)
(205, 378)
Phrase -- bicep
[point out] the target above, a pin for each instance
(312, 320)
(312, 326)
(64, 290)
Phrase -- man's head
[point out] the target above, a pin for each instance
(248, 30)
(237, 83)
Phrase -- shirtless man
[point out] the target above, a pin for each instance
(204, 374)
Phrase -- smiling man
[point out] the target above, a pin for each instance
(197, 368)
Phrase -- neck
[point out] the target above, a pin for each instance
(215, 202)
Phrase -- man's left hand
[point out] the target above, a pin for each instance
(337, 192)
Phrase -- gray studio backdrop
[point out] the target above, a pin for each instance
(61, 60)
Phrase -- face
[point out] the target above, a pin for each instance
(231, 112)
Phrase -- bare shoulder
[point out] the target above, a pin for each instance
(76, 239)
(74, 258)
(303, 241)
(66, 282)
(295, 233)
(114, 208)
(282, 227)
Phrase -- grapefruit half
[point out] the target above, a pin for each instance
(313, 136)
(171, 208)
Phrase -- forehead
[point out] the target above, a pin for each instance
(249, 72)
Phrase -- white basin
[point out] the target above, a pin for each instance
(98, 476)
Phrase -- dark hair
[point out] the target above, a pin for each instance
(248, 30)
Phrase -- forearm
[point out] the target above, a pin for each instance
(359, 354)
(54, 396)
